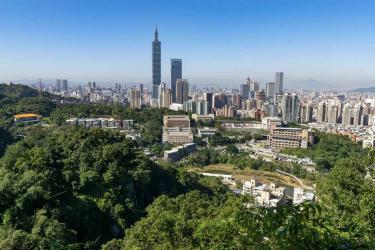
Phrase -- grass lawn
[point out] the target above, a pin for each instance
(247, 174)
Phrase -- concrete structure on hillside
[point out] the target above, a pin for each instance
(177, 153)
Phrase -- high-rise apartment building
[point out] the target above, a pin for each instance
(270, 89)
(306, 113)
(332, 112)
(182, 90)
(289, 108)
(176, 73)
(165, 97)
(321, 115)
(156, 65)
(202, 108)
(134, 98)
(347, 114)
(279, 82)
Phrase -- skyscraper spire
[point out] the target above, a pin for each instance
(156, 32)
(156, 64)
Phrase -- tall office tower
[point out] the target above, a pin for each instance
(58, 84)
(164, 96)
(357, 114)
(332, 112)
(270, 89)
(156, 65)
(289, 108)
(94, 85)
(176, 73)
(244, 90)
(202, 108)
(321, 115)
(279, 82)
(347, 114)
(182, 91)
(219, 100)
(140, 86)
(134, 98)
(64, 85)
(207, 96)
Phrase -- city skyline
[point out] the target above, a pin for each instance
(306, 41)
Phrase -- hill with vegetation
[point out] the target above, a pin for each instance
(64, 187)
(365, 90)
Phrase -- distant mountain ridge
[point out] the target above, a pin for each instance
(364, 90)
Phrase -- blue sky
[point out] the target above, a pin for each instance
(220, 42)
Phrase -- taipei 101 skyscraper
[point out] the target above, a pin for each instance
(156, 65)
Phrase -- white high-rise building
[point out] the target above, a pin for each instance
(347, 114)
(332, 112)
(134, 98)
(321, 114)
(290, 108)
(165, 97)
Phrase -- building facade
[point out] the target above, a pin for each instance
(176, 73)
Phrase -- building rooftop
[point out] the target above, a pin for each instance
(29, 115)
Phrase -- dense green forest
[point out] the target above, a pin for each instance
(74, 188)
(65, 187)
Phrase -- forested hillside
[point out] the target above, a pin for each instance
(79, 188)
(65, 187)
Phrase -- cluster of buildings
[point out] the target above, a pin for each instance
(250, 100)
(271, 195)
(265, 195)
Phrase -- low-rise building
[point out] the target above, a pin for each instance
(177, 135)
(207, 131)
(26, 118)
(269, 123)
(280, 138)
(177, 129)
(105, 123)
(300, 195)
(177, 153)
(204, 118)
